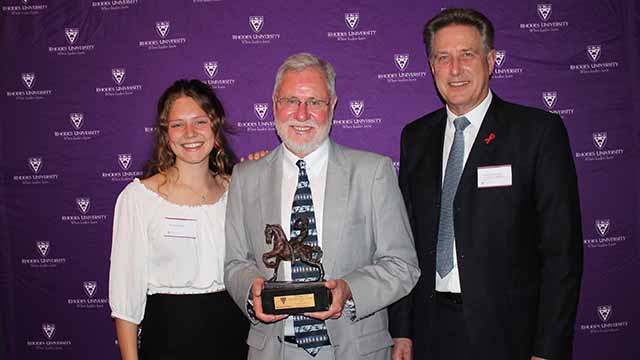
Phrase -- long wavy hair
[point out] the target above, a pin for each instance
(222, 157)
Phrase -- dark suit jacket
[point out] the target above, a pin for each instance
(519, 248)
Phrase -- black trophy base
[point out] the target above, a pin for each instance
(288, 297)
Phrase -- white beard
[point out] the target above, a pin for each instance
(308, 147)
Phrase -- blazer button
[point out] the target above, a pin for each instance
(431, 295)
(432, 251)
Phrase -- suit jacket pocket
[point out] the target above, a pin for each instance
(256, 339)
(370, 343)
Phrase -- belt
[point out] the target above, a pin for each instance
(453, 298)
(292, 340)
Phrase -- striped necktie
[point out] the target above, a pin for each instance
(311, 334)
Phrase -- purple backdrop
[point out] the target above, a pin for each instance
(78, 90)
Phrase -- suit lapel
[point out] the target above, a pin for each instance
(432, 156)
(270, 188)
(428, 182)
(484, 147)
(426, 179)
(335, 204)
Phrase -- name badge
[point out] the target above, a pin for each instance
(494, 176)
(180, 228)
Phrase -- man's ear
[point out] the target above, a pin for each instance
(491, 60)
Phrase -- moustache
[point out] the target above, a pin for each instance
(309, 123)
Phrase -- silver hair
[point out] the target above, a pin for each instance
(301, 61)
(458, 16)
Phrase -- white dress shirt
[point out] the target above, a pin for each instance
(162, 247)
(451, 281)
(316, 164)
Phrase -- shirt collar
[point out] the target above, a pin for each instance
(314, 160)
(476, 115)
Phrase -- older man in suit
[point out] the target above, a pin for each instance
(356, 214)
(492, 198)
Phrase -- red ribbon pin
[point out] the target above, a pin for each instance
(490, 138)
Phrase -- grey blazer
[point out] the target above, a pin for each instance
(366, 241)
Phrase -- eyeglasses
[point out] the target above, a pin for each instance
(293, 103)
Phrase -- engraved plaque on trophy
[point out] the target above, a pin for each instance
(293, 297)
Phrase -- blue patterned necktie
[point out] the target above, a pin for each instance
(311, 334)
(444, 258)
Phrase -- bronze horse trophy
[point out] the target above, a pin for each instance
(292, 250)
(293, 297)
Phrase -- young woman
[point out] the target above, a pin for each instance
(167, 255)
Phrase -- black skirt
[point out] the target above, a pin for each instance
(199, 326)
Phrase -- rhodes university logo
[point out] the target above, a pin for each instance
(594, 66)
(599, 139)
(83, 204)
(546, 25)
(163, 41)
(162, 28)
(261, 110)
(257, 36)
(28, 79)
(352, 19)
(27, 91)
(356, 107)
(211, 68)
(501, 71)
(48, 330)
(593, 51)
(256, 23)
(127, 173)
(604, 312)
(351, 33)
(124, 160)
(118, 75)
(91, 301)
(500, 57)
(43, 248)
(603, 239)
(544, 11)
(601, 152)
(71, 34)
(602, 226)
(549, 98)
(76, 120)
(90, 287)
(35, 164)
(401, 61)
(358, 121)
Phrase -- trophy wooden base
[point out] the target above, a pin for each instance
(288, 297)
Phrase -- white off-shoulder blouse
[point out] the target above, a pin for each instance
(162, 247)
